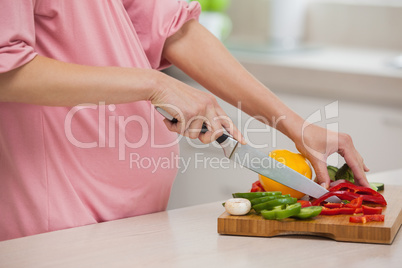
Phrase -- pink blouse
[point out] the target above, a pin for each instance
(62, 167)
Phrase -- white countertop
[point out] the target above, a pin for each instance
(188, 237)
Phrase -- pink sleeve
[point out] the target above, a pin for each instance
(156, 20)
(17, 36)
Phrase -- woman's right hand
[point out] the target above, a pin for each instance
(192, 108)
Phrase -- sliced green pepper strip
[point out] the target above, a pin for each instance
(268, 214)
(281, 212)
(253, 195)
(264, 199)
(273, 203)
(308, 212)
(271, 214)
(289, 211)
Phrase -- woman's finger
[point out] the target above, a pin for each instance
(216, 127)
(355, 162)
(229, 126)
(321, 172)
(359, 174)
(366, 169)
(194, 127)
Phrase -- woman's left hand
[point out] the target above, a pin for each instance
(317, 143)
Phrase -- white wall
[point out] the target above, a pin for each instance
(372, 24)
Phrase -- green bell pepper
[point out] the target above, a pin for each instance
(253, 195)
(264, 199)
(308, 212)
(271, 214)
(273, 203)
(282, 212)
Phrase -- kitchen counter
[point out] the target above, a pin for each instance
(343, 73)
(188, 237)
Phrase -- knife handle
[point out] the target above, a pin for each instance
(204, 128)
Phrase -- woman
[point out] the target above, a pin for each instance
(63, 167)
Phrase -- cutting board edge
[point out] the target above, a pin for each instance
(386, 235)
(324, 236)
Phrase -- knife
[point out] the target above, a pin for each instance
(259, 162)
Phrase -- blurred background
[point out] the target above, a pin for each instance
(342, 56)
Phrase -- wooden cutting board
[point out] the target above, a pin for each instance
(335, 227)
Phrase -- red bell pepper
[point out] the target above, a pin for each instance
(304, 203)
(366, 218)
(257, 187)
(339, 208)
(349, 191)
(345, 210)
(375, 199)
(337, 211)
(358, 210)
(371, 210)
(355, 203)
(333, 205)
(345, 195)
(329, 211)
(347, 186)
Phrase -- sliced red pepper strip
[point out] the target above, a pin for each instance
(341, 194)
(366, 218)
(304, 203)
(346, 195)
(337, 211)
(368, 194)
(347, 186)
(375, 199)
(333, 205)
(330, 211)
(257, 187)
(375, 217)
(358, 219)
(371, 210)
(358, 210)
(355, 203)
(348, 211)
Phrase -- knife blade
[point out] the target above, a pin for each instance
(261, 163)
